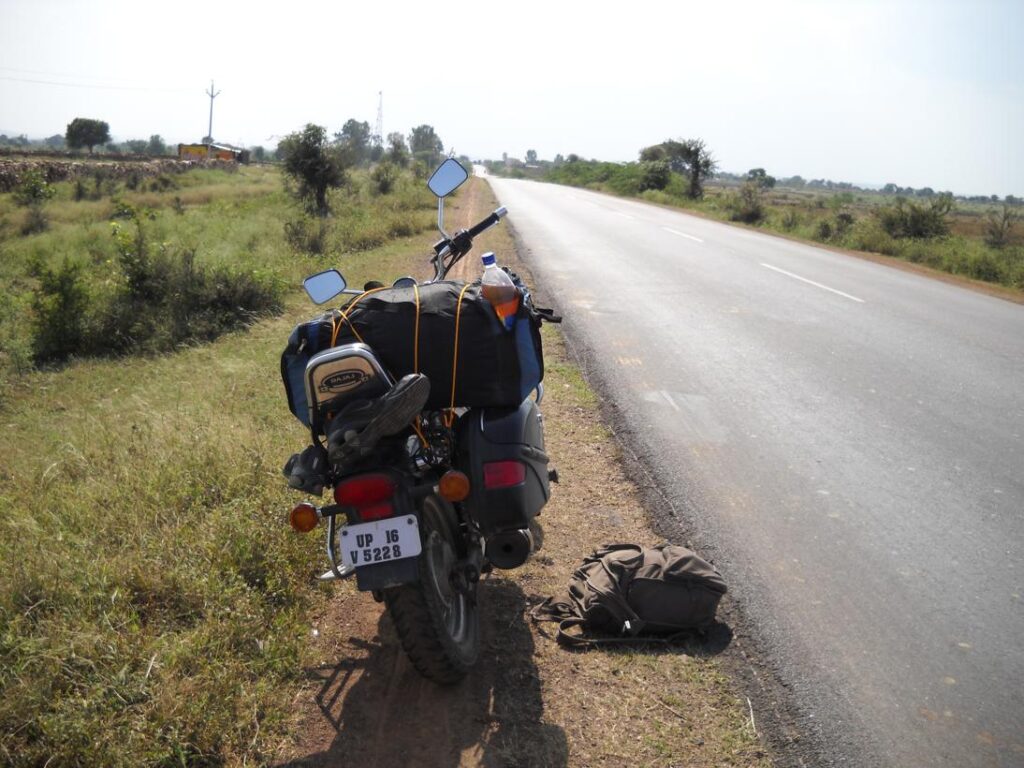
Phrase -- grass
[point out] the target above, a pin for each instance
(154, 604)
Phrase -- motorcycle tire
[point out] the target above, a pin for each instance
(438, 626)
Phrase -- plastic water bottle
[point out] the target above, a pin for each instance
(498, 288)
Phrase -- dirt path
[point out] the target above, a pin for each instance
(528, 702)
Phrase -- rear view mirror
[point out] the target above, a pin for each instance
(448, 177)
(324, 286)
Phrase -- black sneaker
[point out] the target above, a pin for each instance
(307, 471)
(359, 427)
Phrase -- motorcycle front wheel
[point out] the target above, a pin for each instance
(437, 624)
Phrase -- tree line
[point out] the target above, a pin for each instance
(316, 162)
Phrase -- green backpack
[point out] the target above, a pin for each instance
(626, 590)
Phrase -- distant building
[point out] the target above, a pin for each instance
(208, 152)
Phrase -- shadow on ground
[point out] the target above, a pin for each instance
(382, 713)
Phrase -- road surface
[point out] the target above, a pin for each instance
(847, 440)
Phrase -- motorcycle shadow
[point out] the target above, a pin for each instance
(381, 712)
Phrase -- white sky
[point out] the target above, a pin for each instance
(915, 93)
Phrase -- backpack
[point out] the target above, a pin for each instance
(625, 590)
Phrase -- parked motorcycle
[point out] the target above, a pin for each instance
(425, 425)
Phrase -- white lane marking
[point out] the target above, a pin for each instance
(669, 400)
(623, 215)
(811, 282)
(683, 234)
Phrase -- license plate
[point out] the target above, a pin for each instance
(380, 541)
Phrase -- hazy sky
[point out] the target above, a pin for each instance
(916, 93)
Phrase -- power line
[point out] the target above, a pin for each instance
(91, 87)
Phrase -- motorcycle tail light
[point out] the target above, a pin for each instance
(370, 494)
(453, 486)
(377, 511)
(504, 474)
(304, 517)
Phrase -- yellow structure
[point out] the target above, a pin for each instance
(207, 152)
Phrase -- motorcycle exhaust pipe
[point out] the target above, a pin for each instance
(509, 549)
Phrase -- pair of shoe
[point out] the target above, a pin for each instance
(307, 471)
(354, 432)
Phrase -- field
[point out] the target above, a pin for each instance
(155, 609)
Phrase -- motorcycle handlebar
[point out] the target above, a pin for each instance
(488, 222)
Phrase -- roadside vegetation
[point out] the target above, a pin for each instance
(153, 605)
(981, 238)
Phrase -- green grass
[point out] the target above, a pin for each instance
(153, 600)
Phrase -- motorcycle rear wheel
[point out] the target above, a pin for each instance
(438, 626)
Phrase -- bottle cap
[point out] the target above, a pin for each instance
(488, 258)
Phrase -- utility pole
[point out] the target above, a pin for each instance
(212, 95)
(380, 119)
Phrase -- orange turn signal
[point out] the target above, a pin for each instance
(454, 486)
(304, 517)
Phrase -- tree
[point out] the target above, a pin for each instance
(426, 145)
(85, 132)
(759, 177)
(354, 139)
(691, 158)
(136, 146)
(313, 164)
(56, 141)
(258, 153)
(999, 226)
(531, 155)
(156, 145)
(398, 150)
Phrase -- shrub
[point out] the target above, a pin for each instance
(790, 219)
(907, 219)
(161, 299)
(823, 231)
(999, 226)
(306, 236)
(59, 306)
(746, 206)
(654, 174)
(844, 220)
(384, 177)
(33, 190)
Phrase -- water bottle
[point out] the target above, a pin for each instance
(498, 288)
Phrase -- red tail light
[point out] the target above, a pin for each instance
(504, 474)
(370, 494)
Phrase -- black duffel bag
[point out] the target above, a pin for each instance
(449, 332)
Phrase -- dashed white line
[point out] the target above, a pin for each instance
(683, 234)
(623, 215)
(811, 282)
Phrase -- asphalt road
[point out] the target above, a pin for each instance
(846, 439)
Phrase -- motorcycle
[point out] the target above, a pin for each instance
(427, 499)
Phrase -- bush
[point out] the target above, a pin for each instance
(33, 190)
(654, 175)
(790, 219)
(59, 306)
(306, 236)
(384, 177)
(999, 226)
(747, 206)
(161, 299)
(906, 219)
(823, 231)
